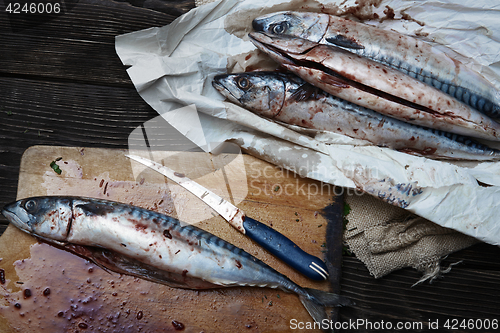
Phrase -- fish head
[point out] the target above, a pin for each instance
(260, 92)
(46, 217)
(311, 26)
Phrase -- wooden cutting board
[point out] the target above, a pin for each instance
(50, 290)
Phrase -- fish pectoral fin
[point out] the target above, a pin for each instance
(344, 41)
(304, 93)
(333, 81)
(94, 208)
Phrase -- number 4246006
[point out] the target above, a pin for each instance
(454, 324)
(33, 8)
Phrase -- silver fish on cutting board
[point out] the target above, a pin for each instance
(375, 86)
(289, 99)
(404, 53)
(153, 246)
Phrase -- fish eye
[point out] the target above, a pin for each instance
(244, 83)
(30, 206)
(279, 28)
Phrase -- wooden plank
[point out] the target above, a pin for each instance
(36, 112)
(228, 310)
(78, 44)
(469, 291)
(95, 19)
(71, 112)
(64, 59)
(334, 240)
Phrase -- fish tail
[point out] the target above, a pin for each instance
(315, 301)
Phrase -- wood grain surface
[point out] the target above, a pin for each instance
(61, 83)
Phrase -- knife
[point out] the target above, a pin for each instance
(270, 239)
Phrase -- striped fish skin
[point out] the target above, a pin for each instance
(153, 246)
(404, 53)
(375, 86)
(298, 103)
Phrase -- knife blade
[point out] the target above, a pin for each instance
(270, 239)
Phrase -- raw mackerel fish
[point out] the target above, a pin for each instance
(153, 246)
(375, 86)
(404, 53)
(289, 99)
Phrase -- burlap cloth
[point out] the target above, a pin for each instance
(386, 238)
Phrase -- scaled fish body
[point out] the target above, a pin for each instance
(287, 98)
(404, 53)
(153, 246)
(375, 86)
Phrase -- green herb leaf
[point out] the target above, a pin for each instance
(55, 167)
(346, 251)
(347, 209)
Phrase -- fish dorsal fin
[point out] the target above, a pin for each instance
(343, 41)
(306, 92)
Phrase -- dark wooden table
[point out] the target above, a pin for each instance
(61, 83)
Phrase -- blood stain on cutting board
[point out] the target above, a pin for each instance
(55, 298)
(56, 291)
(149, 191)
(138, 193)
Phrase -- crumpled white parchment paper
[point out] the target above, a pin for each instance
(173, 66)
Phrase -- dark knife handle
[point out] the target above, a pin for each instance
(286, 250)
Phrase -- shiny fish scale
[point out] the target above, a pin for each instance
(189, 236)
(462, 94)
(172, 224)
(298, 103)
(376, 86)
(401, 52)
